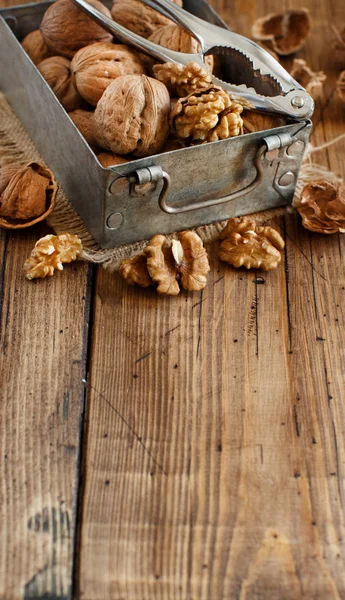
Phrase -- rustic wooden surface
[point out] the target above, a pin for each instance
(208, 461)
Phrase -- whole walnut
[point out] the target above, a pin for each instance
(132, 117)
(97, 65)
(27, 194)
(56, 70)
(66, 28)
(175, 38)
(138, 17)
(109, 159)
(82, 119)
(35, 46)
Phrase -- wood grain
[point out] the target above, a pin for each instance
(215, 460)
(42, 361)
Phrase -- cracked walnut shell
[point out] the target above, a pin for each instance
(322, 207)
(27, 195)
(311, 81)
(245, 244)
(132, 117)
(66, 27)
(138, 17)
(207, 116)
(341, 86)
(49, 253)
(56, 70)
(284, 33)
(183, 79)
(97, 65)
(35, 46)
(177, 39)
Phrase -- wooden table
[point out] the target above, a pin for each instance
(204, 458)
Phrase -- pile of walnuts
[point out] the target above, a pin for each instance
(124, 105)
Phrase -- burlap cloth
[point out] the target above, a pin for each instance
(16, 146)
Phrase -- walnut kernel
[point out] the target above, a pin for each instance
(161, 265)
(207, 115)
(246, 244)
(134, 271)
(49, 253)
(183, 79)
(175, 38)
(322, 207)
(284, 33)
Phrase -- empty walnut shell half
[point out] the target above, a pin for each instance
(322, 207)
(312, 81)
(66, 28)
(175, 38)
(35, 46)
(341, 86)
(132, 117)
(82, 119)
(27, 195)
(56, 70)
(138, 17)
(206, 116)
(284, 33)
(96, 66)
(339, 46)
(245, 244)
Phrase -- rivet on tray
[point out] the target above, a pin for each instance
(295, 148)
(286, 179)
(119, 186)
(115, 220)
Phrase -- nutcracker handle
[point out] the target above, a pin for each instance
(162, 201)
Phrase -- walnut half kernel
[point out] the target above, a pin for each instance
(245, 244)
(169, 263)
(49, 253)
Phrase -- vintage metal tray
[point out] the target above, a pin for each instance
(183, 188)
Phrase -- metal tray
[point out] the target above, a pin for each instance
(182, 189)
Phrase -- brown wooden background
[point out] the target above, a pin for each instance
(205, 457)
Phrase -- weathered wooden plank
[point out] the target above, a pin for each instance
(215, 457)
(43, 345)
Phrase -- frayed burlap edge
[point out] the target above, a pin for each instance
(16, 146)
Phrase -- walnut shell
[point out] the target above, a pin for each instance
(138, 17)
(322, 207)
(341, 86)
(97, 65)
(175, 38)
(284, 33)
(56, 70)
(109, 159)
(339, 46)
(82, 119)
(132, 117)
(35, 46)
(66, 28)
(312, 81)
(27, 195)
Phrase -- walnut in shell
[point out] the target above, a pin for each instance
(207, 116)
(138, 17)
(312, 81)
(183, 79)
(82, 119)
(284, 33)
(322, 207)
(254, 121)
(35, 46)
(56, 70)
(49, 253)
(109, 159)
(175, 38)
(97, 65)
(66, 28)
(27, 195)
(132, 117)
(341, 86)
(244, 244)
